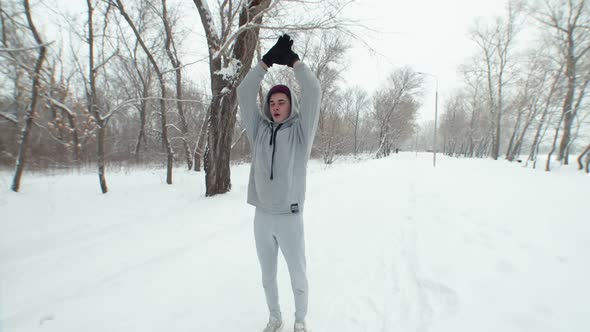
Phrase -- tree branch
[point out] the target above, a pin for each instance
(106, 60)
(131, 102)
(22, 49)
(59, 104)
(250, 25)
(9, 117)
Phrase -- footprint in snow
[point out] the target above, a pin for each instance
(442, 298)
(45, 319)
(504, 266)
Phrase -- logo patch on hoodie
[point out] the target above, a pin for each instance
(294, 208)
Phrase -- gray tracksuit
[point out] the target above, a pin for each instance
(277, 180)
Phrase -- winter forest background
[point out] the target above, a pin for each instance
(110, 86)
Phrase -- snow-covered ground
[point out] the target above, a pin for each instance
(393, 245)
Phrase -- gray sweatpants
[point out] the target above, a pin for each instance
(285, 231)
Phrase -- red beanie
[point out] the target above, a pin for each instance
(279, 88)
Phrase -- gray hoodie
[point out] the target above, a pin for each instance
(280, 151)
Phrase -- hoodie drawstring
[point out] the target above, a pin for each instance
(273, 138)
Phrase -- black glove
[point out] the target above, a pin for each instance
(279, 53)
(291, 57)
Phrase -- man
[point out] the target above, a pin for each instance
(281, 136)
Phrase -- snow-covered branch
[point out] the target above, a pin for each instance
(48, 131)
(9, 117)
(185, 65)
(59, 105)
(208, 24)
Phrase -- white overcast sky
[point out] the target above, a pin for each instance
(427, 35)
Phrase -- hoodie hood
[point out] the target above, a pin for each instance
(294, 108)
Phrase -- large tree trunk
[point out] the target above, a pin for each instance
(24, 142)
(217, 152)
(222, 112)
(222, 122)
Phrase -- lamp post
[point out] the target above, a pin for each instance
(435, 115)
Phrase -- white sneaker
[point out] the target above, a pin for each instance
(300, 327)
(274, 325)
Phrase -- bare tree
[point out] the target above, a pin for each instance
(495, 43)
(574, 111)
(454, 125)
(555, 136)
(332, 139)
(56, 95)
(568, 21)
(177, 66)
(24, 142)
(356, 103)
(395, 108)
(232, 39)
(546, 103)
(101, 83)
(324, 53)
(165, 139)
(531, 88)
(135, 69)
(93, 109)
(485, 41)
(14, 100)
(231, 50)
(477, 99)
(520, 105)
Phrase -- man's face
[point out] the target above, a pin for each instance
(280, 107)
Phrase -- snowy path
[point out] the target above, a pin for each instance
(373, 252)
(393, 245)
